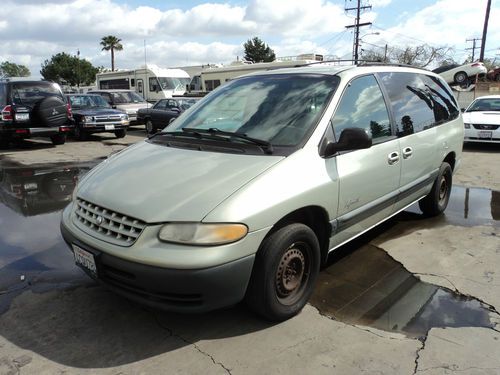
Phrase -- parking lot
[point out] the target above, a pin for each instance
(414, 295)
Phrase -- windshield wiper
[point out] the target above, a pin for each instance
(267, 146)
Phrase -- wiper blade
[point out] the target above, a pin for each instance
(217, 132)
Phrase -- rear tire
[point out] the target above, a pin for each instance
(460, 78)
(120, 133)
(58, 139)
(436, 201)
(150, 129)
(284, 273)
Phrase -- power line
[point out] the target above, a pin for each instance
(473, 48)
(359, 8)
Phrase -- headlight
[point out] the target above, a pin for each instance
(88, 119)
(467, 126)
(202, 234)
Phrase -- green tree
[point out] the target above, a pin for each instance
(111, 43)
(64, 68)
(257, 51)
(8, 69)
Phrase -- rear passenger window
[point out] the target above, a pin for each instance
(363, 106)
(419, 102)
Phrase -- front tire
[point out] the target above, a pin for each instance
(120, 133)
(80, 134)
(460, 78)
(149, 126)
(284, 273)
(436, 201)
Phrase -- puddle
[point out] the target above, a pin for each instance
(468, 207)
(368, 287)
(32, 252)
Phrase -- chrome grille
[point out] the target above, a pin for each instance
(107, 118)
(107, 225)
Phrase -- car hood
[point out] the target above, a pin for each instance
(156, 183)
(96, 111)
(489, 118)
(131, 108)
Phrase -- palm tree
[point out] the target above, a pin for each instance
(111, 43)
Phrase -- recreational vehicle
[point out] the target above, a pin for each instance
(151, 82)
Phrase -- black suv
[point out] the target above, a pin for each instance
(31, 108)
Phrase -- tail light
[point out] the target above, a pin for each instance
(68, 110)
(22, 131)
(7, 113)
(64, 129)
(477, 64)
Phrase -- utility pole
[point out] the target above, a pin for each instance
(356, 27)
(473, 40)
(485, 30)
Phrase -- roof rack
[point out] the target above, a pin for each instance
(366, 63)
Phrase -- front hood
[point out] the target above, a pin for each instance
(157, 183)
(132, 108)
(490, 118)
(96, 112)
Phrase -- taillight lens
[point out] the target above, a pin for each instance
(69, 111)
(7, 114)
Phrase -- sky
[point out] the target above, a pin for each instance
(190, 32)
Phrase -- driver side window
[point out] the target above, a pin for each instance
(363, 106)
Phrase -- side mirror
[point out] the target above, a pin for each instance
(350, 139)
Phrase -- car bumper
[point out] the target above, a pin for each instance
(487, 136)
(168, 288)
(104, 128)
(35, 132)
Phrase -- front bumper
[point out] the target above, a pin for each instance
(168, 288)
(101, 128)
(487, 136)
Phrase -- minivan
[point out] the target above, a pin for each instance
(246, 194)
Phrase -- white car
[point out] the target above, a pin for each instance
(460, 74)
(482, 120)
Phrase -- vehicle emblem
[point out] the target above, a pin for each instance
(54, 112)
(99, 220)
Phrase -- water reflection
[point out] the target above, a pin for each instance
(32, 252)
(368, 287)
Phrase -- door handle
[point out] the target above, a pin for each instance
(393, 158)
(407, 152)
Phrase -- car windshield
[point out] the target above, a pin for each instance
(173, 83)
(28, 93)
(123, 97)
(281, 109)
(88, 101)
(484, 105)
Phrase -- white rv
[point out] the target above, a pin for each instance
(213, 77)
(151, 82)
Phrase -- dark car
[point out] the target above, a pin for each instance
(163, 113)
(92, 114)
(494, 74)
(31, 108)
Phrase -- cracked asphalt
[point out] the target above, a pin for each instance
(57, 321)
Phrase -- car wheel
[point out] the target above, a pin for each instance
(460, 77)
(149, 126)
(58, 139)
(436, 201)
(284, 273)
(80, 134)
(120, 133)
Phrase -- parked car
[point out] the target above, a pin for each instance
(33, 108)
(127, 101)
(482, 120)
(246, 194)
(461, 74)
(163, 113)
(92, 114)
(494, 74)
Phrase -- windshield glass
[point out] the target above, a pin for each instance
(281, 109)
(173, 83)
(29, 93)
(88, 101)
(123, 97)
(485, 105)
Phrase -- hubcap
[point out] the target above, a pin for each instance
(291, 272)
(443, 189)
(149, 126)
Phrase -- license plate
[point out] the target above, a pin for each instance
(109, 127)
(485, 134)
(22, 116)
(85, 260)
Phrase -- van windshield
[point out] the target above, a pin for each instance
(282, 109)
(173, 83)
(124, 97)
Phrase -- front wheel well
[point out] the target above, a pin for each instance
(450, 159)
(316, 218)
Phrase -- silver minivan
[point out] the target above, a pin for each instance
(244, 196)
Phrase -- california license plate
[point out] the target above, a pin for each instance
(485, 134)
(85, 260)
(109, 127)
(22, 116)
